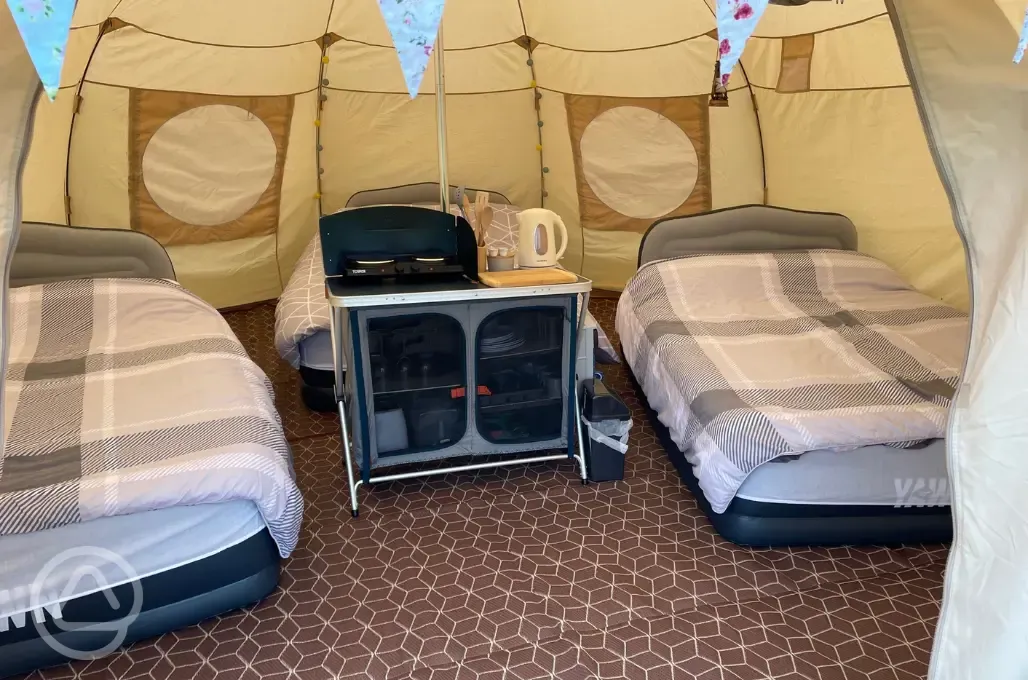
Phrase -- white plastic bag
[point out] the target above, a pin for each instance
(612, 433)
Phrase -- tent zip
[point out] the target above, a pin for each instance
(960, 222)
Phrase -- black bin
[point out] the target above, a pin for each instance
(606, 424)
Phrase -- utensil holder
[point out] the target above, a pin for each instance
(483, 260)
(501, 263)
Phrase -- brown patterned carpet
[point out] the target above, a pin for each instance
(526, 574)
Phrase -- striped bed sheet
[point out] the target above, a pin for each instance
(746, 357)
(130, 395)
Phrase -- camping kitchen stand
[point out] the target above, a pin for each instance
(455, 303)
(354, 308)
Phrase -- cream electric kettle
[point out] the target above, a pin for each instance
(537, 246)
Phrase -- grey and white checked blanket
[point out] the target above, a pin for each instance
(747, 357)
(129, 395)
(302, 309)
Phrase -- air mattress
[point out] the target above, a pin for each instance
(89, 588)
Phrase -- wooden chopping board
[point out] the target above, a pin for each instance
(544, 276)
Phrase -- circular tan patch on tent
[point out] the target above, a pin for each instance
(638, 162)
(209, 165)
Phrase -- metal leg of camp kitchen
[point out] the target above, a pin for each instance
(348, 457)
(336, 328)
(580, 456)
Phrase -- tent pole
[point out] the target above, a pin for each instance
(440, 120)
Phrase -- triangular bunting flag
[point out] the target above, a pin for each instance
(736, 21)
(1022, 44)
(414, 25)
(44, 26)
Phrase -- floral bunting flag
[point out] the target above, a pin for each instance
(736, 21)
(44, 26)
(414, 25)
(1022, 44)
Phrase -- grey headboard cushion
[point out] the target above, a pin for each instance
(426, 192)
(52, 252)
(748, 228)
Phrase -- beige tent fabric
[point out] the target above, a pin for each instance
(974, 102)
(43, 182)
(853, 144)
(815, 17)
(354, 128)
(1013, 10)
(43, 187)
(875, 174)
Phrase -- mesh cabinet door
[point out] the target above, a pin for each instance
(521, 361)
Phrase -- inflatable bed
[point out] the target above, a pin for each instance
(302, 334)
(801, 388)
(146, 483)
(89, 588)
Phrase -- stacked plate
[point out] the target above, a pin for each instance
(504, 340)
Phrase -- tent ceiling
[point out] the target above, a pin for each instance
(850, 90)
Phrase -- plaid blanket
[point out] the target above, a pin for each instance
(748, 357)
(128, 395)
(302, 309)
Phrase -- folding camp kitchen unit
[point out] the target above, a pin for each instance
(438, 364)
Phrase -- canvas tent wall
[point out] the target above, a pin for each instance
(224, 129)
(973, 100)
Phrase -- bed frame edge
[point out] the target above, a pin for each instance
(746, 228)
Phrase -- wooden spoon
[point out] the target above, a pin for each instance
(481, 203)
(487, 221)
(468, 212)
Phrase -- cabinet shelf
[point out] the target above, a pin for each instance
(515, 405)
(519, 353)
(423, 388)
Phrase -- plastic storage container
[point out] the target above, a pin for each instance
(606, 422)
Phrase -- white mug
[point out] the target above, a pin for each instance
(536, 247)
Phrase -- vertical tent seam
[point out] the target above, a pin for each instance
(325, 43)
(536, 96)
(104, 29)
(760, 131)
(322, 96)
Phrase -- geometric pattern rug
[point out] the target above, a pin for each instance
(526, 574)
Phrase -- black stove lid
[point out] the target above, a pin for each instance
(399, 233)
